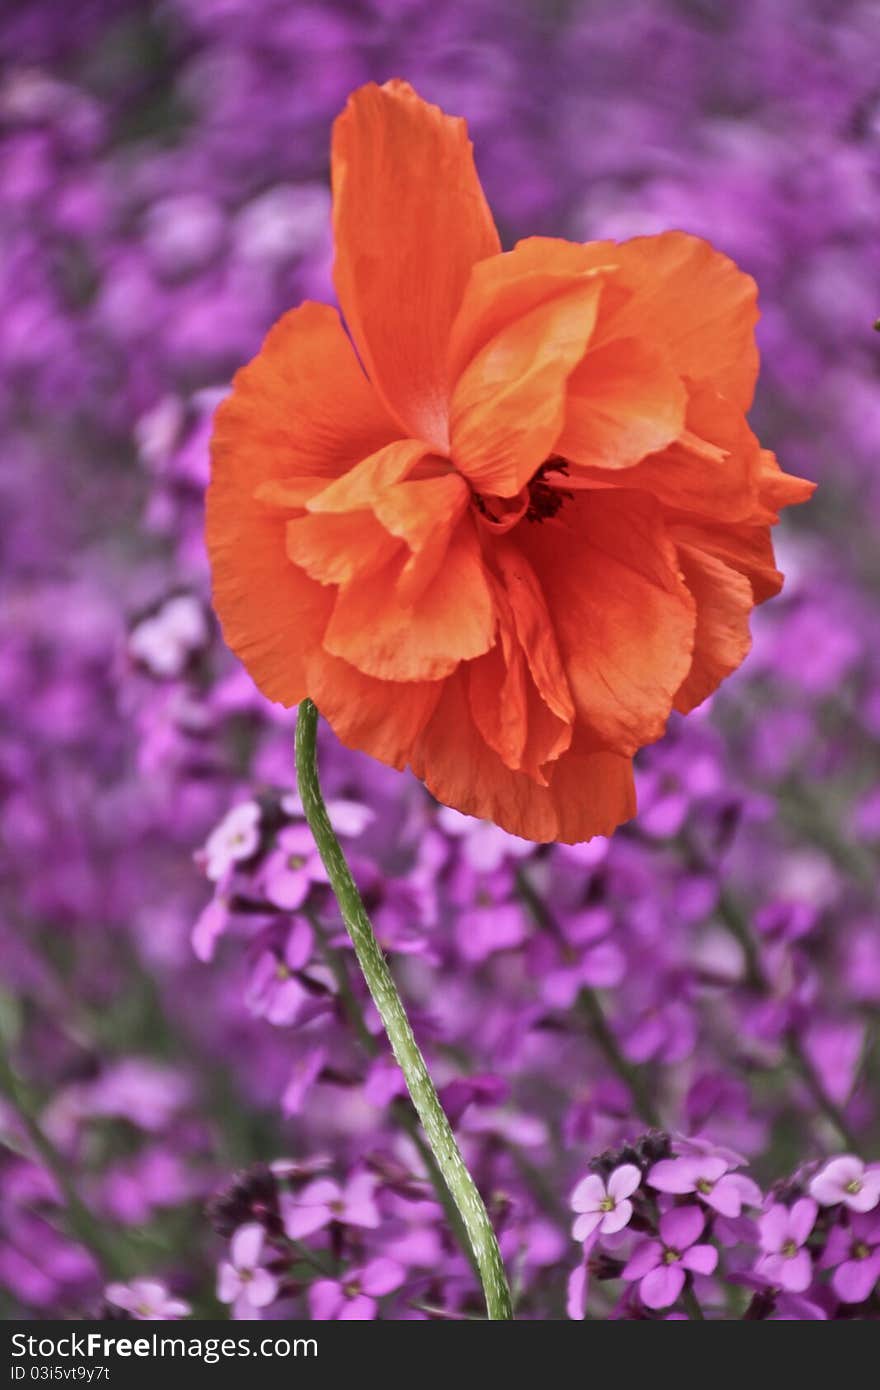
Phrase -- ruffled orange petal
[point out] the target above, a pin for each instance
(624, 401)
(686, 299)
(721, 643)
(623, 617)
(301, 409)
(508, 405)
(746, 549)
(589, 793)
(453, 621)
(377, 717)
(410, 220)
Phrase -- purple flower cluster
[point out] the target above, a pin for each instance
(673, 1227)
(179, 1001)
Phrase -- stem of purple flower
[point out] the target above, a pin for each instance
(462, 1188)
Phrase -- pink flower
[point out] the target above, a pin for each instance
(660, 1265)
(147, 1300)
(709, 1176)
(353, 1298)
(847, 1180)
(784, 1232)
(853, 1252)
(242, 1281)
(236, 838)
(323, 1201)
(292, 867)
(604, 1208)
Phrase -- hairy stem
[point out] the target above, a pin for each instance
(380, 983)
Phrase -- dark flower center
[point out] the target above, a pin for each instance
(545, 500)
(670, 1256)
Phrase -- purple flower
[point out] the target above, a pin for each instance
(660, 1265)
(604, 1207)
(241, 1280)
(784, 1232)
(274, 992)
(233, 840)
(147, 1300)
(708, 1176)
(323, 1201)
(853, 1252)
(847, 1180)
(353, 1298)
(292, 867)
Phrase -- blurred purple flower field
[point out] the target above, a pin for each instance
(667, 1041)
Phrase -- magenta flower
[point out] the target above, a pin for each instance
(847, 1180)
(147, 1300)
(233, 840)
(853, 1252)
(784, 1232)
(323, 1201)
(292, 867)
(710, 1178)
(241, 1280)
(353, 1299)
(660, 1266)
(605, 1208)
(274, 991)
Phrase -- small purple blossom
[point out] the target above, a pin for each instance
(235, 839)
(354, 1297)
(242, 1280)
(323, 1201)
(604, 1207)
(709, 1178)
(291, 868)
(660, 1266)
(147, 1300)
(849, 1181)
(784, 1232)
(853, 1252)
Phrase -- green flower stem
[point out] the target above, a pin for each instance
(380, 983)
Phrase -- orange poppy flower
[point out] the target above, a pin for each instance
(514, 516)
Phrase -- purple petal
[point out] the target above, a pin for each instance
(325, 1300)
(358, 1309)
(586, 1224)
(797, 1273)
(662, 1286)
(262, 1288)
(854, 1280)
(725, 1197)
(624, 1181)
(589, 1192)
(676, 1175)
(614, 1221)
(681, 1226)
(828, 1186)
(382, 1276)
(774, 1228)
(803, 1219)
(644, 1258)
(228, 1284)
(246, 1245)
(701, 1259)
(578, 1287)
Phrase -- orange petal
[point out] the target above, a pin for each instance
(777, 489)
(453, 621)
(712, 468)
(508, 405)
(410, 220)
(301, 408)
(746, 549)
(721, 643)
(360, 487)
(339, 549)
(624, 619)
(534, 629)
(624, 401)
(380, 718)
(688, 300)
(589, 793)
